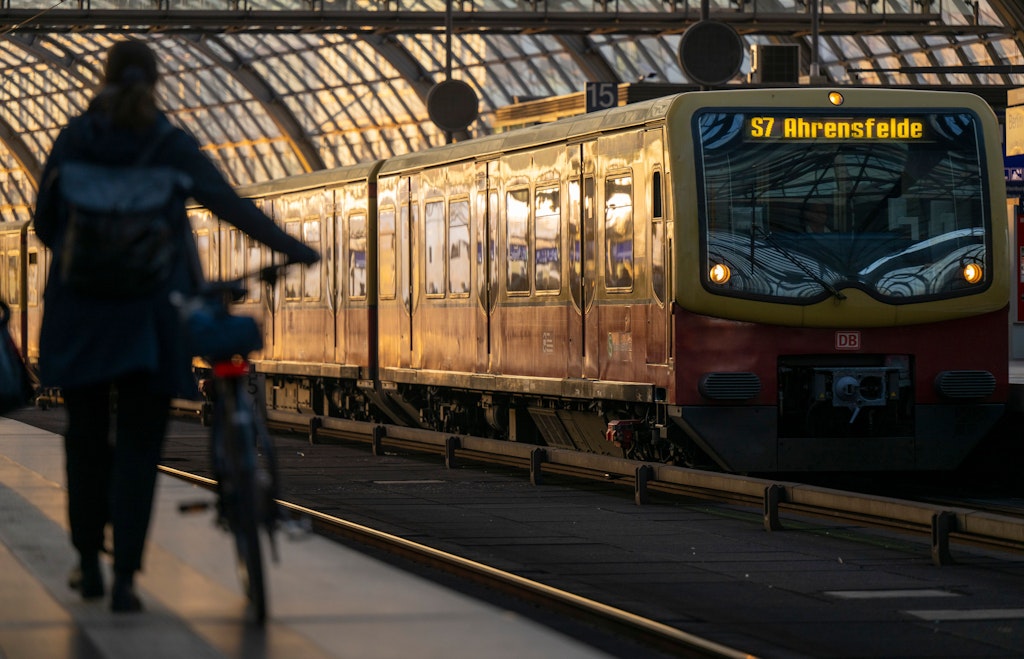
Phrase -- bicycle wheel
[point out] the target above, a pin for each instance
(249, 552)
(243, 500)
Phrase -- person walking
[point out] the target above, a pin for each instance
(120, 361)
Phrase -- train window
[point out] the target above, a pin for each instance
(517, 218)
(254, 261)
(493, 199)
(547, 251)
(357, 257)
(405, 254)
(618, 232)
(12, 279)
(657, 240)
(311, 274)
(293, 276)
(236, 254)
(33, 278)
(386, 254)
(486, 246)
(459, 254)
(203, 247)
(434, 243)
(582, 250)
(575, 237)
(481, 242)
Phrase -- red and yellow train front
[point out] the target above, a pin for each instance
(846, 267)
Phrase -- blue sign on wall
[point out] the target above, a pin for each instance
(1013, 166)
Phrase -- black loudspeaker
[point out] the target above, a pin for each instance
(775, 63)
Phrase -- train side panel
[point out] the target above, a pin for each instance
(394, 302)
(24, 266)
(302, 311)
(530, 322)
(444, 328)
(354, 290)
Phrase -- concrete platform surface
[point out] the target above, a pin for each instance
(325, 600)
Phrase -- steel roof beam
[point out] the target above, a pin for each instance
(478, 22)
(278, 111)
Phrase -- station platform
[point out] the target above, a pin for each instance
(326, 600)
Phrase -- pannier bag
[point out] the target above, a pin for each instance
(214, 334)
(16, 388)
(119, 242)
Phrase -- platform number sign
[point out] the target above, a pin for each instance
(602, 95)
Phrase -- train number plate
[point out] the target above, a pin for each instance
(848, 340)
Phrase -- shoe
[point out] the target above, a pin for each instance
(88, 580)
(123, 598)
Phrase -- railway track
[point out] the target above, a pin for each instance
(643, 630)
(944, 521)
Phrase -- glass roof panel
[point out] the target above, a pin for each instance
(266, 105)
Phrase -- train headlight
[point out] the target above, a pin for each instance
(835, 98)
(719, 273)
(973, 273)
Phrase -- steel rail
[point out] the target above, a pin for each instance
(646, 631)
(942, 523)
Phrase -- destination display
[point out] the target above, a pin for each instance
(797, 127)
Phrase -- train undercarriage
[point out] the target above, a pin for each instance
(634, 430)
(803, 434)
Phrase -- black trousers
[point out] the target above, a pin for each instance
(112, 479)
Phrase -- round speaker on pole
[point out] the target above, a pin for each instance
(711, 52)
(452, 105)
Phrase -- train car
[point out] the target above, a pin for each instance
(879, 344)
(323, 321)
(24, 264)
(319, 322)
(765, 280)
(532, 308)
(749, 280)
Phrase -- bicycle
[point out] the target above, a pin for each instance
(243, 457)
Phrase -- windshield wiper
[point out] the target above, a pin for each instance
(770, 239)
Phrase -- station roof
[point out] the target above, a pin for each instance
(273, 88)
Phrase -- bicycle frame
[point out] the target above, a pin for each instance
(244, 460)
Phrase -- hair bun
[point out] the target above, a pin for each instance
(130, 62)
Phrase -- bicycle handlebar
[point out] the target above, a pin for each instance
(236, 288)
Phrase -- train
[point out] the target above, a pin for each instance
(747, 280)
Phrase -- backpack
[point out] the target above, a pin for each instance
(119, 241)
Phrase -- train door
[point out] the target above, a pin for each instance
(583, 338)
(407, 275)
(660, 312)
(486, 217)
(10, 252)
(34, 271)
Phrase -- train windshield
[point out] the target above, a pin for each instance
(797, 206)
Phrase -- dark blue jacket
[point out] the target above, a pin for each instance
(86, 340)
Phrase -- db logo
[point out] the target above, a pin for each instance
(847, 340)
